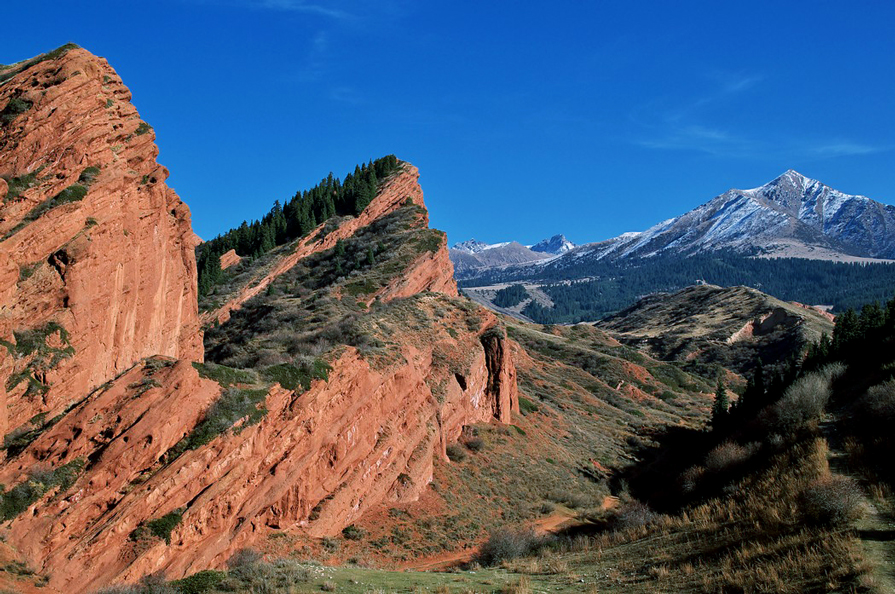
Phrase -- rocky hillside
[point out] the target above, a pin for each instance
(729, 326)
(347, 377)
(98, 267)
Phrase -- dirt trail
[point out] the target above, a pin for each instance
(546, 525)
(876, 529)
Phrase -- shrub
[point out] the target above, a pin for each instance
(505, 544)
(455, 453)
(352, 532)
(244, 558)
(15, 107)
(143, 128)
(804, 401)
(475, 444)
(633, 514)
(88, 175)
(729, 454)
(232, 406)
(162, 527)
(877, 406)
(39, 482)
(832, 501)
(198, 583)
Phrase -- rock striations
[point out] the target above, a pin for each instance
(102, 376)
(97, 252)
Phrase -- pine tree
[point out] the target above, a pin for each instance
(720, 406)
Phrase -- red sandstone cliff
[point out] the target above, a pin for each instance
(116, 272)
(115, 269)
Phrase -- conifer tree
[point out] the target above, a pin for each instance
(720, 406)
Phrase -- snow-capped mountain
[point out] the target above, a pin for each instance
(558, 244)
(791, 216)
(474, 246)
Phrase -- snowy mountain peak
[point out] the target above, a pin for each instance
(471, 246)
(558, 244)
(790, 216)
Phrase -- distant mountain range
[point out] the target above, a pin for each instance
(472, 256)
(793, 237)
(792, 216)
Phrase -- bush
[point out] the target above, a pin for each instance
(804, 401)
(88, 175)
(198, 583)
(832, 501)
(352, 532)
(877, 407)
(39, 482)
(505, 544)
(475, 444)
(455, 453)
(15, 107)
(633, 515)
(729, 454)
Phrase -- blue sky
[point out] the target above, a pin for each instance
(526, 119)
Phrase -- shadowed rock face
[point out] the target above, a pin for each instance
(114, 267)
(98, 307)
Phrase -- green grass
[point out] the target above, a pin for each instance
(15, 69)
(293, 377)
(225, 376)
(159, 527)
(526, 406)
(232, 406)
(39, 482)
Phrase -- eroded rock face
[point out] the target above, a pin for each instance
(315, 463)
(113, 268)
(96, 284)
(431, 271)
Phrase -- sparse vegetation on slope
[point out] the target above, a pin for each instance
(296, 218)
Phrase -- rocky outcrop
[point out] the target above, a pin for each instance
(315, 462)
(230, 258)
(431, 271)
(99, 319)
(97, 252)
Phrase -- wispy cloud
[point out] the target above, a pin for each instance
(306, 7)
(699, 138)
(844, 148)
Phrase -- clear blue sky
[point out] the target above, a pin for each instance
(526, 119)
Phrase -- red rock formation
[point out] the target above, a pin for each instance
(433, 272)
(116, 272)
(229, 259)
(316, 462)
(115, 269)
